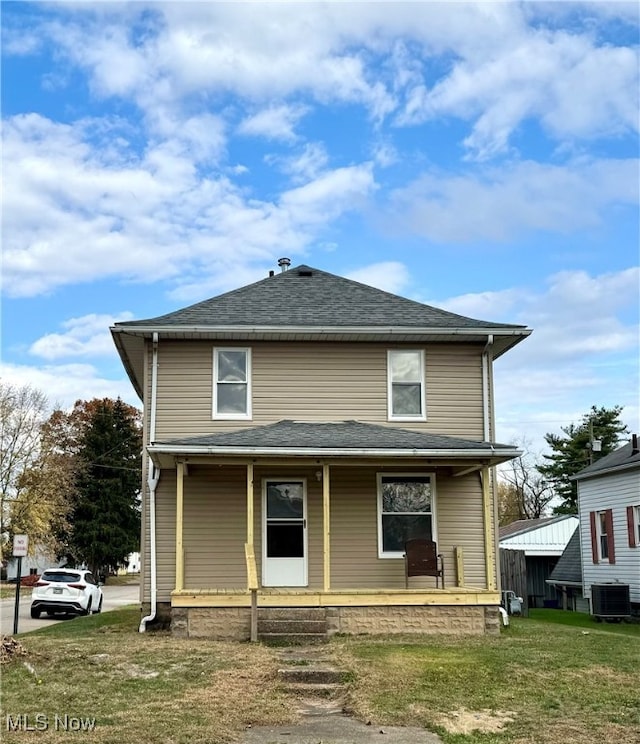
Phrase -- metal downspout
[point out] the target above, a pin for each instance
(152, 482)
(486, 429)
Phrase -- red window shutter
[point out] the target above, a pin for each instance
(608, 518)
(631, 528)
(594, 537)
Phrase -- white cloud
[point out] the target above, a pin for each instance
(499, 68)
(64, 384)
(584, 349)
(575, 88)
(273, 122)
(503, 202)
(304, 165)
(87, 336)
(392, 276)
(147, 217)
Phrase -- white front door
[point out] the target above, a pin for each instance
(284, 536)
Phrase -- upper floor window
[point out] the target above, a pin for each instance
(603, 537)
(633, 525)
(232, 383)
(602, 545)
(405, 376)
(405, 511)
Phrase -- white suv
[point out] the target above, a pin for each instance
(66, 590)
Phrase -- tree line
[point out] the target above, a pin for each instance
(70, 479)
(529, 486)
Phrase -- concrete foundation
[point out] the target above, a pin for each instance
(231, 623)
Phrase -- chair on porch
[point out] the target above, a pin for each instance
(422, 559)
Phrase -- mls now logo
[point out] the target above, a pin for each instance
(41, 722)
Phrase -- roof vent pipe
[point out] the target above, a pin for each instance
(634, 444)
(284, 264)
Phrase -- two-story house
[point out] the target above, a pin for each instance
(609, 511)
(297, 432)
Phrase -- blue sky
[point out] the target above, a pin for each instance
(478, 157)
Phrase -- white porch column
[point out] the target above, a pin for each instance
(326, 525)
(179, 525)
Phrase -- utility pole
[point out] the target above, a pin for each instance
(593, 445)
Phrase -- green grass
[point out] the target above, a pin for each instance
(557, 682)
(150, 688)
(8, 591)
(549, 679)
(583, 620)
(124, 580)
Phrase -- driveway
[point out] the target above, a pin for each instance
(114, 597)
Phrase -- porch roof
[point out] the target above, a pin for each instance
(344, 439)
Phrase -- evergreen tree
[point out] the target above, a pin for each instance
(572, 452)
(105, 521)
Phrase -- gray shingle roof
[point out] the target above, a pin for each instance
(344, 435)
(304, 296)
(623, 457)
(568, 569)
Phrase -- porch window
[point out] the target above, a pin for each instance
(405, 381)
(232, 383)
(405, 511)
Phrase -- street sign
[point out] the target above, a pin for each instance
(20, 545)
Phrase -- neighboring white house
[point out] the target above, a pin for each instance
(31, 564)
(543, 542)
(609, 510)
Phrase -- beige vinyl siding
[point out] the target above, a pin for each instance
(354, 530)
(166, 534)
(317, 382)
(215, 528)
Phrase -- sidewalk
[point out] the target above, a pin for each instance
(308, 673)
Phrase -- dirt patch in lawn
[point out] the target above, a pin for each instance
(463, 721)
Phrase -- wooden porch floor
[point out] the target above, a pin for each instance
(301, 597)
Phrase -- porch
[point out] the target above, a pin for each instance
(308, 616)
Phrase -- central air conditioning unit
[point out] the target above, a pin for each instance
(610, 601)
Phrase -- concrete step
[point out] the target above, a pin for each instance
(291, 626)
(310, 690)
(293, 639)
(320, 675)
(292, 613)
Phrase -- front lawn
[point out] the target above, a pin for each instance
(149, 688)
(539, 682)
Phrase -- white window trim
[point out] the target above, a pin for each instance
(600, 534)
(423, 398)
(231, 416)
(636, 524)
(434, 526)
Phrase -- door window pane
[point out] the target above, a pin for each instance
(285, 540)
(285, 500)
